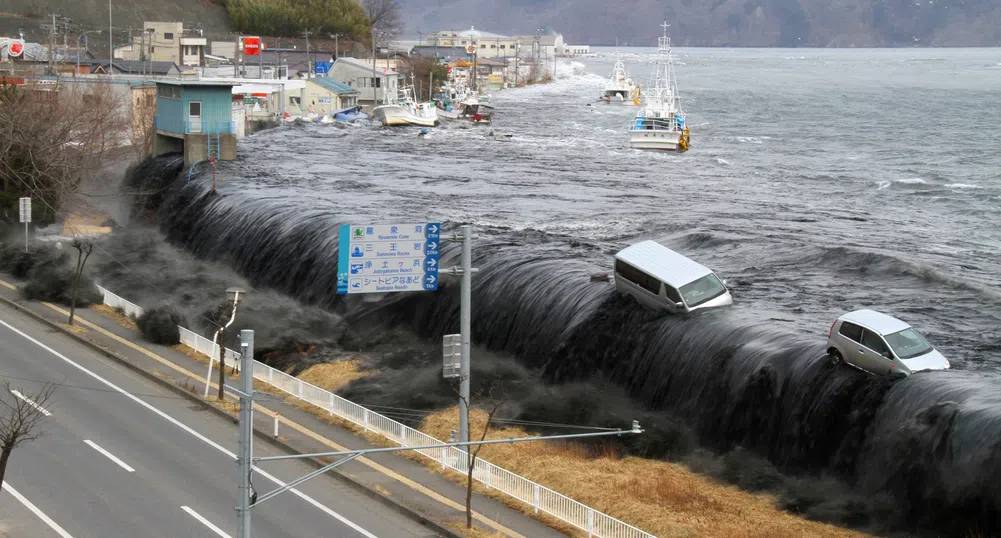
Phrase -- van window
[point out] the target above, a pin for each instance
(704, 289)
(872, 341)
(852, 331)
(672, 294)
(637, 277)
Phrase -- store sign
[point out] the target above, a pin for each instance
(251, 46)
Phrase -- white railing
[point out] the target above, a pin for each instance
(131, 309)
(540, 498)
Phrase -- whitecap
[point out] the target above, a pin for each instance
(963, 186)
(910, 181)
(722, 161)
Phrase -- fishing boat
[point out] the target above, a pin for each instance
(660, 123)
(470, 108)
(619, 86)
(407, 111)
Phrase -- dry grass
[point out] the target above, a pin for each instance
(475, 532)
(662, 498)
(115, 315)
(332, 376)
(75, 329)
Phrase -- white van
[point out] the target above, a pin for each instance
(659, 277)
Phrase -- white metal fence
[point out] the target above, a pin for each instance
(540, 498)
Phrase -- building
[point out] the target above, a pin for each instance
(375, 85)
(448, 54)
(166, 42)
(543, 46)
(323, 95)
(134, 67)
(195, 117)
(576, 50)
(485, 44)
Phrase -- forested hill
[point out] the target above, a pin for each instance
(749, 23)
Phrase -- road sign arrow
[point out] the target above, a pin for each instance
(431, 279)
(432, 262)
(432, 245)
(433, 229)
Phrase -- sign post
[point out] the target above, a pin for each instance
(24, 204)
(384, 258)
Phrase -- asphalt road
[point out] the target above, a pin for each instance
(122, 456)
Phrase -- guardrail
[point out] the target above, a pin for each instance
(539, 497)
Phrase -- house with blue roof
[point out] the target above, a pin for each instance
(322, 96)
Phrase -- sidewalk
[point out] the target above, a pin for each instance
(399, 482)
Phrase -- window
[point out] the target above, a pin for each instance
(702, 290)
(377, 82)
(503, 46)
(169, 92)
(873, 341)
(168, 36)
(672, 294)
(463, 42)
(493, 46)
(851, 331)
(908, 343)
(637, 277)
(195, 108)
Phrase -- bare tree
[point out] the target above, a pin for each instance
(54, 135)
(142, 116)
(83, 249)
(21, 415)
(494, 404)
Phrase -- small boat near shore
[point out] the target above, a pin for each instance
(620, 86)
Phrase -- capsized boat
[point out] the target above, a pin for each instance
(407, 111)
(660, 124)
(348, 115)
(620, 86)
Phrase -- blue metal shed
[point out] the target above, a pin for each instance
(197, 114)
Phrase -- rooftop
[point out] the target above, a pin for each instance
(471, 33)
(334, 86)
(663, 263)
(876, 321)
(224, 83)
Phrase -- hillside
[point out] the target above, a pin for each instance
(753, 23)
(93, 15)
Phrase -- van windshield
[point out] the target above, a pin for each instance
(702, 290)
(908, 343)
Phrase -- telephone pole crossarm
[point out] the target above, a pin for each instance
(634, 431)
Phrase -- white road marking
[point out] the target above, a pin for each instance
(188, 429)
(205, 522)
(31, 403)
(109, 455)
(41, 515)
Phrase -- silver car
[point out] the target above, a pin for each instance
(881, 344)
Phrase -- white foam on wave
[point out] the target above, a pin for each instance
(911, 181)
(720, 160)
(962, 186)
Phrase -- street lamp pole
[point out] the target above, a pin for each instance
(233, 294)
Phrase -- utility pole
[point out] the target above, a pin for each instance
(236, 53)
(111, 44)
(52, 43)
(247, 496)
(309, 65)
(465, 304)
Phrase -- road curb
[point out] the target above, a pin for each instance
(261, 435)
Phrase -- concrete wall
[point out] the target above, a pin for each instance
(163, 144)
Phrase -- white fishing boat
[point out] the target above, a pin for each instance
(660, 123)
(620, 86)
(407, 111)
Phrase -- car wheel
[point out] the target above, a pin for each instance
(835, 358)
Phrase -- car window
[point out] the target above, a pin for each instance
(852, 331)
(874, 342)
(908, 343)
(702, 290)
(672, 294)
(637, 277)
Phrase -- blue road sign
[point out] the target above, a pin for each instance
(385, 258)
(323, 67)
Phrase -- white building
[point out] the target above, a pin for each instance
(576, 50)
(166, 42)
(375, 85)
(487, 45)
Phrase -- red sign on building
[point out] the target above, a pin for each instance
(16, 48)
(251, 46)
